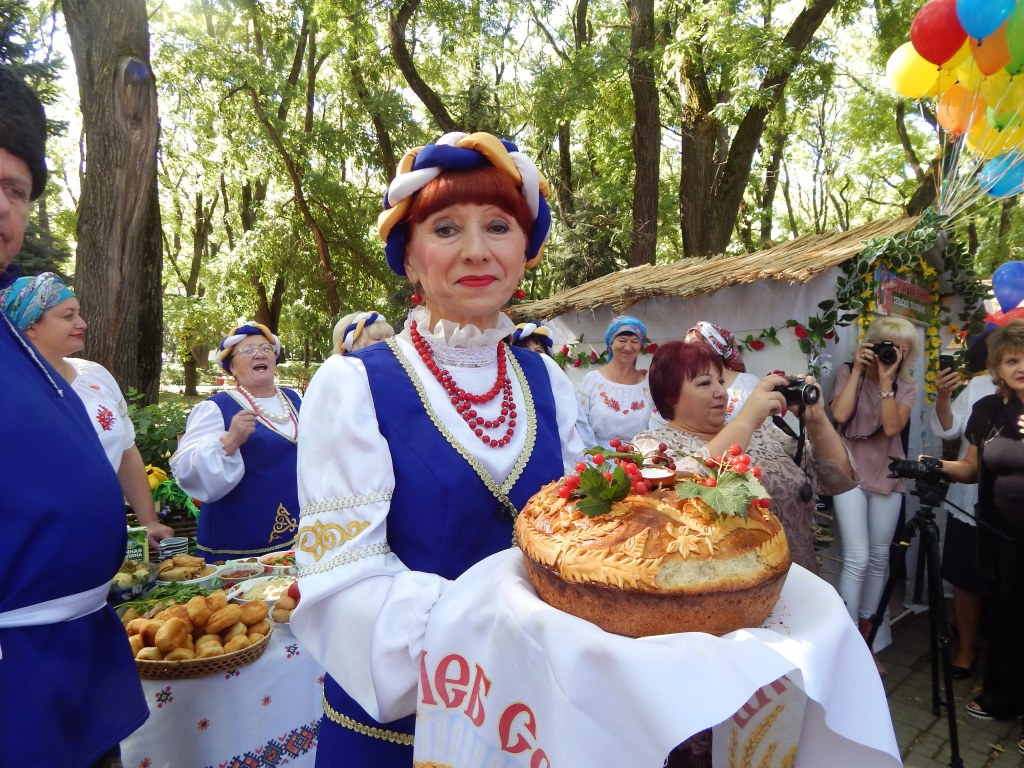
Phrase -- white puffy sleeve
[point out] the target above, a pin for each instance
(961, 410)
(200, 465)
(566, 409)
(363, 614)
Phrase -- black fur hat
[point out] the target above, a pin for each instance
(23, 126)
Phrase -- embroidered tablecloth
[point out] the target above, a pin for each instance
(261, 715)
(509, 682)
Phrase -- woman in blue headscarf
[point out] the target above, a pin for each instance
(48, 312)
(615, 400)
(238, 453)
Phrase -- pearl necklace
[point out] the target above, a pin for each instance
(286, 411)
(464, 401)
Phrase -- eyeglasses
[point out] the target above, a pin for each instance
(251, 349)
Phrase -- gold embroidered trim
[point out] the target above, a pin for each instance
(283, 523)
(500, 491)
(346, 503)
(380, 548)
(262, 551)
(319, 537)
(395, 737)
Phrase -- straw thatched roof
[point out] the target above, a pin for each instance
(796, 261)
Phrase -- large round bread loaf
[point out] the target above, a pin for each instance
(654, 564)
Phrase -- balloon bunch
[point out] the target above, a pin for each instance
(968, 56)
(1008, 287)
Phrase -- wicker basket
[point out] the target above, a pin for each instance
(180, 670)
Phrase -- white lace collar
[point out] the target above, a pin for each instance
(463, 346)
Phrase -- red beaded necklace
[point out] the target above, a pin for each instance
(464, 401)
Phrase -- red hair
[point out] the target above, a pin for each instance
(674, 364)
(485, 185)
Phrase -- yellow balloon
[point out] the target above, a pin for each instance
(969, 76)
(987, 142)
(994, 86)
(958, 58)
(945, 81)
(910, 75)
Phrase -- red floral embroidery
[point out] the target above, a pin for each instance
(611, 402)
(106, 418)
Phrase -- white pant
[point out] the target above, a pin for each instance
(867, 522)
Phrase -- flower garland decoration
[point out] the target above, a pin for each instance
(569, 357)
(856, 300)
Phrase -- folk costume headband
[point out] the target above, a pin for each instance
(28, 298)
(355, 329)
(720, 340)
(526, 330)
(624, 324)
(240, 334)
(460, 152)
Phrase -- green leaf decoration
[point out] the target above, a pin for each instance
(596, 493)
(731, 496)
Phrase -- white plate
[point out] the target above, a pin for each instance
(238, 591)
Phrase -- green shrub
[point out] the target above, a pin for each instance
(156, 427)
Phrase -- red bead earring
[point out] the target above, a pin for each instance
(416, 297)
(519, 294)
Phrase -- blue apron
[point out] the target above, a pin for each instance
(260, 514)
(442, 520)
(69, 691)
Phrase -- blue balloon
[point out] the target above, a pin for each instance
(1003, 176)
(980, 18)
(1008, 285)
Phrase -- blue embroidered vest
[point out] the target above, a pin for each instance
(260, 514)
(443, 519)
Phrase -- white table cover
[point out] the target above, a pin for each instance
(263, 714)
(506, 680)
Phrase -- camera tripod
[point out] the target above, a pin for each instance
(931, 495)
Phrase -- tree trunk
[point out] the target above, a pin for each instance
(646, 133)
(119, 260)
(712, 183)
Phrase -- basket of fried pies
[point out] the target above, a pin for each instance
(182, 631)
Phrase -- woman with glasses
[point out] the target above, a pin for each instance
(237, 455)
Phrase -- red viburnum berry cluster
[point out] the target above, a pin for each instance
(734, 460)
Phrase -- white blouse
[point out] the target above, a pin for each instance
(608, 410)
(363, 614)
(106, 406)
(200, 465)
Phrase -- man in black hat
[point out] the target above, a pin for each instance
(69, 689)
(22, 162)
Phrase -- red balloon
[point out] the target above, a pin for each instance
(936, 31)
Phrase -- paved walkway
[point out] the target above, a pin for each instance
(924, 737)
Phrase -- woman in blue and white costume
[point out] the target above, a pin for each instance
(238, 453)
(536, 338)
(417, 452)
(615, 400)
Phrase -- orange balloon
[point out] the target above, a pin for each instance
(959, 109)
(991, 53)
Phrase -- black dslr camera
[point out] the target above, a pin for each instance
(885, 351)
(798, 392)
(927, 470)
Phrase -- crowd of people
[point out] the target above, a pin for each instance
(407, 458)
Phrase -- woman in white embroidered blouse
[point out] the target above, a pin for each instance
(615, 400)
(49, 314)
(415, 452)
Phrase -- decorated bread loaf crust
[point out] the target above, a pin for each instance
(654, 563)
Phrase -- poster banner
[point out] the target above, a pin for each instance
(904, 295)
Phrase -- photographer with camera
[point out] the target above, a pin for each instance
(995, 461)
(948, 421)
(688, 387)
(873, 397)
